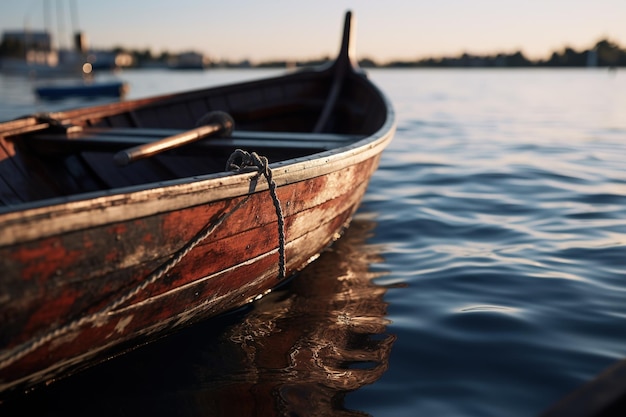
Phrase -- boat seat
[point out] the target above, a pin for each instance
(113, 139)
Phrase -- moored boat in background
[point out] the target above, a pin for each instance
(86, 89)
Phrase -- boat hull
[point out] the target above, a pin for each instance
(237, 263)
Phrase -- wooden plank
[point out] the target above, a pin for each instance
(183, 166)
(237, 134)
(141, 172)
(27, 181)
(8, 196)
(7, 171)
(146, 116)
(197, 108)
(117, 139)
(173, 116)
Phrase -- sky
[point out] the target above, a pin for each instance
(279, 29)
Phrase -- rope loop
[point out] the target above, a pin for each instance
(247, 160)
(261, 163)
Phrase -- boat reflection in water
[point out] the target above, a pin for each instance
(297, 351)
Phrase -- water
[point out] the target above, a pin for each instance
(483, 275)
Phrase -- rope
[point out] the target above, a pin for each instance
(253, 159)
(28, 347)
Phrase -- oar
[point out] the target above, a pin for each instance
(216, 123)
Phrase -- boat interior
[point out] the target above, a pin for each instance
(72, 152)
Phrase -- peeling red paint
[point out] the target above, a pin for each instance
(118, 229)
(43, 259)
(57, 307)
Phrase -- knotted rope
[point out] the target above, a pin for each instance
(251, 159)
(247, 160)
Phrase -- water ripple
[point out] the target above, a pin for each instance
(501, 205)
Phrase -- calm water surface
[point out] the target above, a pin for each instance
(484, 275)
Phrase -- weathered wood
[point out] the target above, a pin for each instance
(83, 241)
(215, 286)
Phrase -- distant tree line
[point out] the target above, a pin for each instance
(604, 54)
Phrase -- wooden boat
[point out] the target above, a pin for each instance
(97, 257)
(84, 89)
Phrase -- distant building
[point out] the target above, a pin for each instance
(188, 60)
(32, 53)
(26, 49)
(109, 59)
(27, 40)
